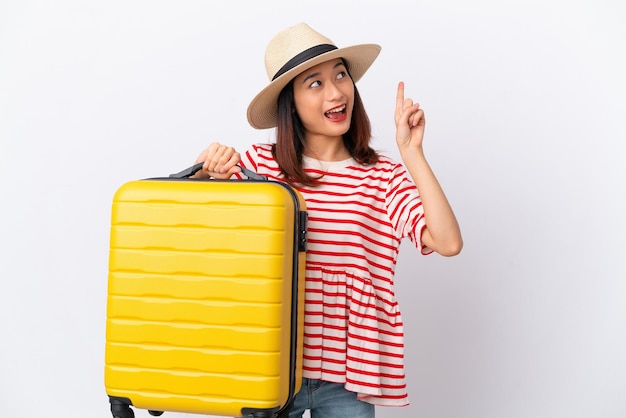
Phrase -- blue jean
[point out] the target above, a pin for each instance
(329, 400)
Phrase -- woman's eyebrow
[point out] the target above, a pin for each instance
(339, 64)
(313, 75)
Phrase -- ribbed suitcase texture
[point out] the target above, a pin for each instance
(205, 297)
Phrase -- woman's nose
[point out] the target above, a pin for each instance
(333, 92)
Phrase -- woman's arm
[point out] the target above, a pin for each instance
(442, 233)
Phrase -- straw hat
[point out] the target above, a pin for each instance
(297, 49)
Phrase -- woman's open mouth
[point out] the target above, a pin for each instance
(337, 114)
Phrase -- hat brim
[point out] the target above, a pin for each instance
(263, 109)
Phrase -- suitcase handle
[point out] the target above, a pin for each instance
(190, 171)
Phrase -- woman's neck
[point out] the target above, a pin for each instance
(326, 148)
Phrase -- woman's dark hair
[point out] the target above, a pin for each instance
(290, 138)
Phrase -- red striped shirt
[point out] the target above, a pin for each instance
(357, 216)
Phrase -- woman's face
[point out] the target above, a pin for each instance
(324, 98)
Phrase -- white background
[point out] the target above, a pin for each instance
(525, 103)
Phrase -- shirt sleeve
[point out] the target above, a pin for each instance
(405, 208)
(259, 159)
(249, 161)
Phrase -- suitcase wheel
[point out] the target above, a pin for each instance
(127, 413)
(120, 407)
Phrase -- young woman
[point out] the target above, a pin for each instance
(360, 205)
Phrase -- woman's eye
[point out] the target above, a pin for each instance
(315, 84)
(341, 74)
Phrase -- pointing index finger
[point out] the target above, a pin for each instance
(400, 96)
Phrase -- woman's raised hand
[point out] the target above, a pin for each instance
(410, 122)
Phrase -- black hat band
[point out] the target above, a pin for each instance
(303, 57)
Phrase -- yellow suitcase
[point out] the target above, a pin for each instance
(205, 296)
